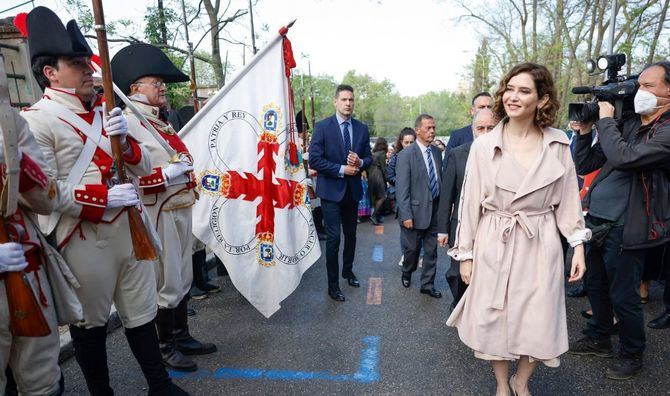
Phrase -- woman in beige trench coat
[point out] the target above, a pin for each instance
(520, 191)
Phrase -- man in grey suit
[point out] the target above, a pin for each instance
(450, 196)
(417, 194)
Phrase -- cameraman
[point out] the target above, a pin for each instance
(628, 213)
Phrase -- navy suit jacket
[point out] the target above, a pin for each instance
(457, 138)
(326, 155)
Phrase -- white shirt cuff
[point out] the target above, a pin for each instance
(439, 234)
(579, 237)
(458, 255)
(341, 174)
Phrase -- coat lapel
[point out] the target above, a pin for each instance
(508, 175)
(422, 165)
(547, 169)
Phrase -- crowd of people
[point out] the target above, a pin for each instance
(504, 196)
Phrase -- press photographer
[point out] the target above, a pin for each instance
(628, 213)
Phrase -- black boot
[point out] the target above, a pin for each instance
(90, 350)
(221, 269)
(200, 278)
(172, 358)
(10, 385)
(143, 342)
(186, 344)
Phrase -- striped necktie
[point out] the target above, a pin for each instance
(347, 138)
(431, 175)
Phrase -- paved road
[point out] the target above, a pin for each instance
(392, 342)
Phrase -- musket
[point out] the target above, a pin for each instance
(26, 318)
(142, 244)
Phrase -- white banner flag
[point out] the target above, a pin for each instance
(253, 210)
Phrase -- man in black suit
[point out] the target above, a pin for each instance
(450, 195)
(339, 151)
(417, 192)
(462, 136)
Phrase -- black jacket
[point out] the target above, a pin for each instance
(450, 191)
(645, 153)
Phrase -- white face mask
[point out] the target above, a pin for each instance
(645, 102)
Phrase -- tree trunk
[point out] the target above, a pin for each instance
(161, 18)
(659, 29)
(534, 57)
(212, 14)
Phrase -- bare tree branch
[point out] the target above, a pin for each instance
(133, 40)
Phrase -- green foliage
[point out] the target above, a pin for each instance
(84, 17)
(178, 94)
(379, 105)
(83, 14)
(152, 30)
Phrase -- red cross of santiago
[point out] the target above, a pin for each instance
(286, 195)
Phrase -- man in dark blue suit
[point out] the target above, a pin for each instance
(339, 151)
(464, 135)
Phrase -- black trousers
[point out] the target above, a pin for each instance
(456, 284)
(657, 267)
(338, 216)
(411, 242)
(613, 286)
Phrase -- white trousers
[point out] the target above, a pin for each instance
(174, 272)
(34, 360)
(109, 273)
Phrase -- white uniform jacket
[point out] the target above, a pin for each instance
(157, 196)
(62, 143)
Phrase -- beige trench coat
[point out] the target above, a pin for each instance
(510, 221)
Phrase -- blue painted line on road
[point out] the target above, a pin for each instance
(368, 370)
(378, 254)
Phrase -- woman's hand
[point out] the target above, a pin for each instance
(578, 264)
(466, 271)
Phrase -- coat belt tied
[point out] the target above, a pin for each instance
(507, 235)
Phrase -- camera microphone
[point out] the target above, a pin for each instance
(582, 90)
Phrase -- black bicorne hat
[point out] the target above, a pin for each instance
(48, 36)
(139, 60)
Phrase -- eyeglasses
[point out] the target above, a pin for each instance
(155, 84)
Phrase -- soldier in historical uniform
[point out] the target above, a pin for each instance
(34, 359)
(91, 227)
(141, 71)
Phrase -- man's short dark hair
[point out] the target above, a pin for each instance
(343, 87)
(666, 66)
(37, 67)
(422, 117)
(479, 95)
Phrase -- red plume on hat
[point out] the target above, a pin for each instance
(20, 23)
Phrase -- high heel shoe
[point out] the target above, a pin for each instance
(512, 386)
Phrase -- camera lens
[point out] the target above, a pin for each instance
(583, 112)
